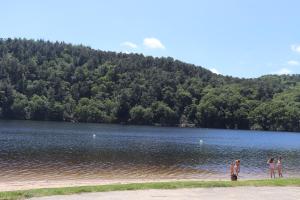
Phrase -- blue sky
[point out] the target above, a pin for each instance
(243, 38)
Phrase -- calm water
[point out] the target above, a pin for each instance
(50, 150)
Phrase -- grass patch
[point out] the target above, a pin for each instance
(23, 194)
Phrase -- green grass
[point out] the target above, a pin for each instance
(23, 194)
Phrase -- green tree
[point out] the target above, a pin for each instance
(38, 107)
(41, 80)
(56, 111)
(163, 114)
(141, 115)
(19, 107)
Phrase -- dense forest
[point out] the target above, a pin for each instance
(41, 80)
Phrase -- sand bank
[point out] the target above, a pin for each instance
(25, 185)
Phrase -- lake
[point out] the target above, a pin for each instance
(59, 151)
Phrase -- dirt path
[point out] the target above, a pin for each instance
(236, 193)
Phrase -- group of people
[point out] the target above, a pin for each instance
(235, 168)
(273, 167)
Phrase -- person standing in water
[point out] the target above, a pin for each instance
(231, 168)
(237, 167)
(232, 174)
(279, 166)
(272, 167)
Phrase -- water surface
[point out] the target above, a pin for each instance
(59, 151)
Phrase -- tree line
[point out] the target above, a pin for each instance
(42, 80)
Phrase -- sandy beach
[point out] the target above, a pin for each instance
(235, 193)
(25, 185)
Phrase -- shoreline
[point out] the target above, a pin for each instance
(34, 184)
(7, 186)
(146, 186)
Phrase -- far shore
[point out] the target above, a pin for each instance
(183, 125)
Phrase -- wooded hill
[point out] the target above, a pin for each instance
(41, 80)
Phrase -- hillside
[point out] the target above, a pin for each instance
(40, 80)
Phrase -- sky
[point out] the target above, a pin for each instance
(241, 38)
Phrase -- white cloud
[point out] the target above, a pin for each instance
(153, 43)
(296, 48)
(214, 70)
(283, 71)
(293, 62)
(130, 45)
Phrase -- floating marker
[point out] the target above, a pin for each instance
(94, 135)
(201, 141)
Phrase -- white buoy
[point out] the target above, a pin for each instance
(94, 135)
(201, 141)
